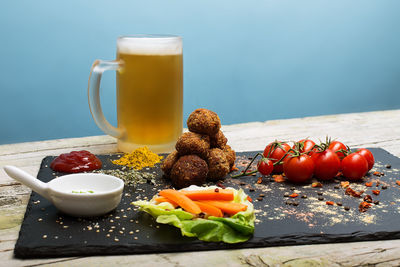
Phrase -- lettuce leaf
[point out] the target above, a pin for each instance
(235, 229)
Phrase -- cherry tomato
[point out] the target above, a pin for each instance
(354, 166)
(275, 153)
(298, 169)
(327, 164)
(305, 145)
(265, 166)
(336, 146)
(368, 156)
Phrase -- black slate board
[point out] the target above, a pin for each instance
(45, 232)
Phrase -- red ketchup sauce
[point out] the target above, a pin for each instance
(76, 161)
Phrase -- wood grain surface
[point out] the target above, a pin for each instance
(370, 129)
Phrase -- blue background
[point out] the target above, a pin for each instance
(247, 60)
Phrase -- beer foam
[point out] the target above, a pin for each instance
(150, 45)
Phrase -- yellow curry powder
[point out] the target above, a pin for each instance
(139, 158)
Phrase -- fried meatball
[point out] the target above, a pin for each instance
(218, 140)
(169, 162)
(193, 143)
(188, 170)
(230, 155)
(204, 121)
(218, 165)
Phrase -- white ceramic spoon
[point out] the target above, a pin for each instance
(107, 191)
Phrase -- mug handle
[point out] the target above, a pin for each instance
(98, 67)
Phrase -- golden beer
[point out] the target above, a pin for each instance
(149, 93)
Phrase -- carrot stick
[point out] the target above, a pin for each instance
(183, 201)
(228, 207)
(210, 194)
(163, 199)
(209, 209)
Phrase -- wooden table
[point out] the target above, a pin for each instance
(370, 129)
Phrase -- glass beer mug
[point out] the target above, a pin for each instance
(149, 92)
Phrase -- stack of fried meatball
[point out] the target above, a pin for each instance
(202, 154)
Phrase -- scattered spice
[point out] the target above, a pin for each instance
(316, 184)
(320, 193)
(336, 187)
(294, 195)
(376, 202)
(364, 206)
(346, 208)
(131, 177)
(388, 166)
(259, 180)
(330, 203)
(345, 184)
(138, 159)
(379, 174)
(398, 182)
(286, 194)
(279, 178)
(221, 185)
(368, 198)
(339, 203)
(369, 184)
(304, 196)
(320, 198)
(293, 188)
(376, 192)
(260, 198)
(384, 187)
(353, 193)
